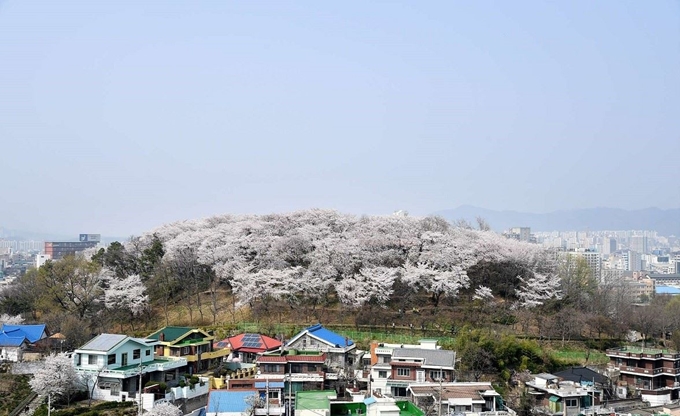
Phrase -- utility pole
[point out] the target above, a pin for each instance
(439, 410)
(290, 389)
(139, 388)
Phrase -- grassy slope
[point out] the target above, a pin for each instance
(13, 389)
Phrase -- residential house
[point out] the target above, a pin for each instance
(193, 344)
(458, 398)
(15, 339)
(246, 347)
(554, 396)
(340, 351)
(587, 377)
(116, 366)
(410, 365)
(299, 370)
(653, 374)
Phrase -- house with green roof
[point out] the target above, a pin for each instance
(193, 344)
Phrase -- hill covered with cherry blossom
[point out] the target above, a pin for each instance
(323, 257)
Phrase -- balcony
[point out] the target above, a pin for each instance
(650, 371)
(207, 355)
(157, 364)
(300, 377)
(643, 353)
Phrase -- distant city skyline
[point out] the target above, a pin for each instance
(118, 117)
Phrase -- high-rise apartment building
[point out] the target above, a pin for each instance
(519, 233)
(593, 259)
(632, 261)
(639, 243)
(608, 245)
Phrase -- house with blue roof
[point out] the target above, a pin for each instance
(230, 403)
(340, 350)
(15, 339)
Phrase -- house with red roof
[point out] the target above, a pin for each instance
(246, 347)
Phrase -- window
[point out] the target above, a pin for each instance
(436, 375)
(186, 350)
(382, 374)
(271, 368)
(295, 368)
(92, 359)
(399, 391)
(147, 352)
(136, 354)
(404, 372)
(571, 402)
(274, 394)
(112, 359)
(78, 359)
(123, 359)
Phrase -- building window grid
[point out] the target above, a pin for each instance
(404, 372)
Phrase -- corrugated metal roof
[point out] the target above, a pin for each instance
(10, 341)
(32, 332)
(170, 333)
(436, 358)
(329, 336)
(459, 390)
(228, 401)
(104, 342)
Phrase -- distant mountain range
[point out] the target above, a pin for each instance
(664, 221)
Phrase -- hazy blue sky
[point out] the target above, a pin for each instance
(118, 117)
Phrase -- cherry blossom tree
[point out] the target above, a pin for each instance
(369, 285)
(534, 291)
(11, 320)
(165, 409)
(437, 283)
(127, 296)
(56, 377)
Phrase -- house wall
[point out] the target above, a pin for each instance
(13, 354)
(407, 372)
(295, 368)
(101, 358)
(447, 375)
(309, 343)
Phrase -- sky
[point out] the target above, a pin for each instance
(120, 116)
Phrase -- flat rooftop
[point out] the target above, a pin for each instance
(639, 350)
